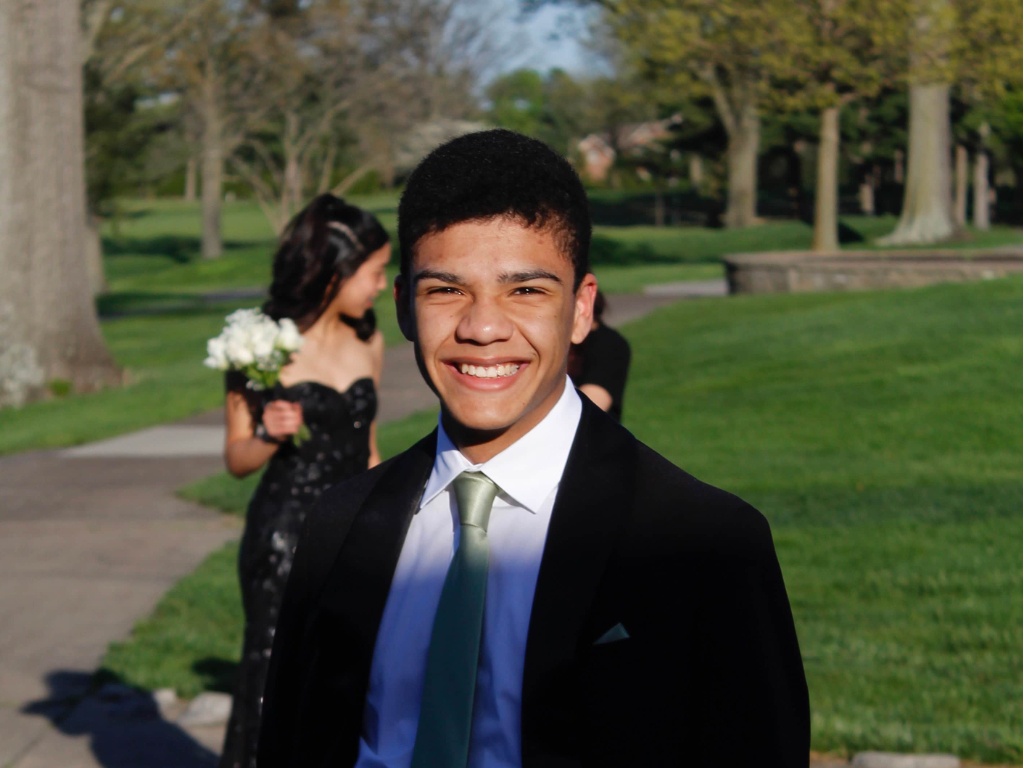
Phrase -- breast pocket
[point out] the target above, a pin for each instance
(636, 701)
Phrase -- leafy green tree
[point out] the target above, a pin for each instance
(711, 48)
(830, 53)
(203, 52)
(927, 214)
(975, 44)
(312, 70)
(341, 82)
(214, 61)
(989, 86)
(566, 102)
(518, 101)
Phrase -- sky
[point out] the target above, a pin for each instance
(549, 39)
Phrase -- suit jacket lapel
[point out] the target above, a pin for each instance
(594, 498)
(356, 589)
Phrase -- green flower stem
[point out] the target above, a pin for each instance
(302, 435)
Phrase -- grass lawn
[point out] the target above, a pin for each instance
(878, 432)
(163, 356)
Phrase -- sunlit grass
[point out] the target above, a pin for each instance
(880, 434)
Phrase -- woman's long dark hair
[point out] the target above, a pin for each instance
(322, 246)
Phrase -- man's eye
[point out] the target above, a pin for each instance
(526, 290)
(442, 290)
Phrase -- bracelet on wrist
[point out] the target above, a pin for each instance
(266, 437)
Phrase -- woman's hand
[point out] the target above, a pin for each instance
(282, 419)
(249, 446)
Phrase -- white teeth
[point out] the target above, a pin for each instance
(488, 371)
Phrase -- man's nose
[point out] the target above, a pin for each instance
(484, 322)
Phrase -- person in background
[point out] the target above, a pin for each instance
(599, 365)
(327, 271)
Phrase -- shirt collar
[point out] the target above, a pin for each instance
(529, 469)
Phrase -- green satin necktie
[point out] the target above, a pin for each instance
(446, 709)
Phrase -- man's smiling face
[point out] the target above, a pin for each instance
(492, 310)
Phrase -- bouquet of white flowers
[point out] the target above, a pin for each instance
(254, 344)
(259, 347)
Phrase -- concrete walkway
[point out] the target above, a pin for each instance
(90, 539)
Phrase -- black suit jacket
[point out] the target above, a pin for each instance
(710, 674)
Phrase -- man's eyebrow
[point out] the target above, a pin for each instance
(433, 274)
(525, 277)
(506, 278)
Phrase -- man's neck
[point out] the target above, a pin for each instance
(481, 446)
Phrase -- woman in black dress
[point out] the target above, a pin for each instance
(599, 365)
(328, 269)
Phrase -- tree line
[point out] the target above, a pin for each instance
(280, 99)
(285, 98)
(830, 57)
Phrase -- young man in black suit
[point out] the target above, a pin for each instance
(625, 614)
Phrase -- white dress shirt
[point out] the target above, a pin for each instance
(527, 474)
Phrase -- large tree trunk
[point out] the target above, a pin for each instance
(737, 109)
(981, 197)
(190, 180)
(213, 170)
(826, 191)
(927, 215)
(741, 156)
(213, 182)
(49, 328)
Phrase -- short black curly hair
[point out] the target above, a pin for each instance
(492, 174)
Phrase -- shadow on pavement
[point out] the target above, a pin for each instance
(124, 726)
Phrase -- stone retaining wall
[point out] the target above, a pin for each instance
(804, 271)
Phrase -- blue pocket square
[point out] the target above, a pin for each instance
(613, 635)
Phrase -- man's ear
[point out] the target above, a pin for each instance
(584, 315)
(403, 307)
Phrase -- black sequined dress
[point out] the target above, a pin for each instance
(338, 447)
